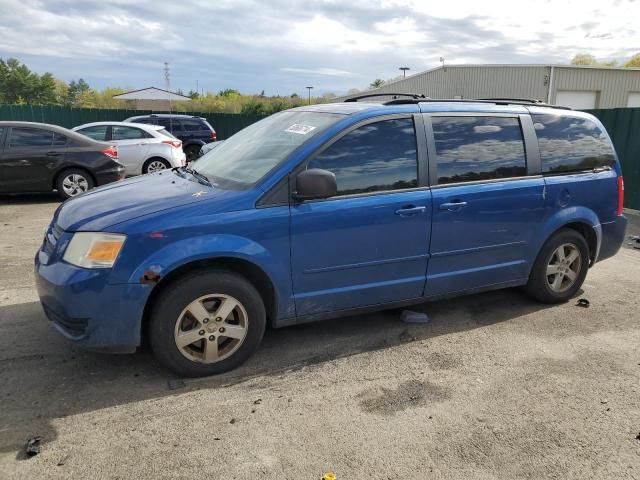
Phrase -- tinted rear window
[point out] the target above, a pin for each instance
(571, 144)
(478, 148)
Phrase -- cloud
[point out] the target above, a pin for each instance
(332, 72)
(281, 46)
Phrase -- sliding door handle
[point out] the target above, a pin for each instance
(452, 206)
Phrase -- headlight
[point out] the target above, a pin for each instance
(94, 250)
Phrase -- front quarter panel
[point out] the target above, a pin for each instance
(259, 236)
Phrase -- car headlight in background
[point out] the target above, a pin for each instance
(94, 250)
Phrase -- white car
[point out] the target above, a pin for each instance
(142, 148)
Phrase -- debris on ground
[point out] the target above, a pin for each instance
(257, 402)
(33, 446)
(63, 460)
(405, 336)
(408, 316)
(328, 476)
(583, 302)
(232, 421)
(176, 384)
(638, 436)
(635, 241)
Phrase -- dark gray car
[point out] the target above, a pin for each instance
(37, 157)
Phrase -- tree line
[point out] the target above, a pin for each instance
(20, 86)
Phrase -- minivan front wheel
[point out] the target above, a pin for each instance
(207, 323)
(560, 268)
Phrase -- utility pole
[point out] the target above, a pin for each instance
(442, 61)
(309, 88)
(404, 71)
(167, 83)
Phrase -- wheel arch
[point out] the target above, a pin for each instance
(249, 270)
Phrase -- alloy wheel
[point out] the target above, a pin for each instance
(563, 267)
(211, 328)
(74, 184)
(156, 166)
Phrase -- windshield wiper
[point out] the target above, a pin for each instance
(199, 176)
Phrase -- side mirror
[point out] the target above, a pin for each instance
(315, 183)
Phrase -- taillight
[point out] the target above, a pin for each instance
(111, 152)
(173, 143)
(214, 136)
(620, 194)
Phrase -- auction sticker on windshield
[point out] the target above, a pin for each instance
(300, 129)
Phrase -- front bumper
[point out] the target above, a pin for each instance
(87, 310)
(613, 234)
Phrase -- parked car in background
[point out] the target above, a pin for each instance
(210, 146)
(37, 157)
(329, 210)
(193, 131)
(142, 148)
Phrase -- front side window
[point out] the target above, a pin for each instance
(30, 137)
(570, 144)
(375, 157)
(127, 133)
(478, 148)
(98, 132)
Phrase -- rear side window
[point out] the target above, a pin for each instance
(163, 131)
(97, 133)
(170, 124)
(59, 140)
(375, 157)
(30, 137)
(127, 133)
(478, 148)
(571, 144)
(193, 125)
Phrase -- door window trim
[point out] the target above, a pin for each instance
(421, 157)
(529, 140)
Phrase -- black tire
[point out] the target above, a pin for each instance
(192, 152)
(145, 168)
(538, 286)
(62, 188)
(171, 304)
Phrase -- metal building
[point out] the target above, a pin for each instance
(579, 87)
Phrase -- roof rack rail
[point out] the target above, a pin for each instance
(510, 99)
(496, 101)
(414, 96)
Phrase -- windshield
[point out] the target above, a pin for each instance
(248, 155)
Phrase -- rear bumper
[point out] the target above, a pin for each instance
(88, 311)
(613, 234)
(107, 176)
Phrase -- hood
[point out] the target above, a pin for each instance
(136, 197)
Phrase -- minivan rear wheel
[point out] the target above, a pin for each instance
(206, 323)
(560, 268)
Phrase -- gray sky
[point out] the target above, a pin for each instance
(281, 46)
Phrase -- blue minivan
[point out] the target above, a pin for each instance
(330, 210)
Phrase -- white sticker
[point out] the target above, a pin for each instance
(300, 129)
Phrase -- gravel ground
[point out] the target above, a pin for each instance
(495, 387)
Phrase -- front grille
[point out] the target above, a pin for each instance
(75, 326)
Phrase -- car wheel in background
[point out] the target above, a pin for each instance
(155, 165)
(73, 182)
(560, 268)
(192, 152)
(206, 323)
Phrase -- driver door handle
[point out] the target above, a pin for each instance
(410, 210)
